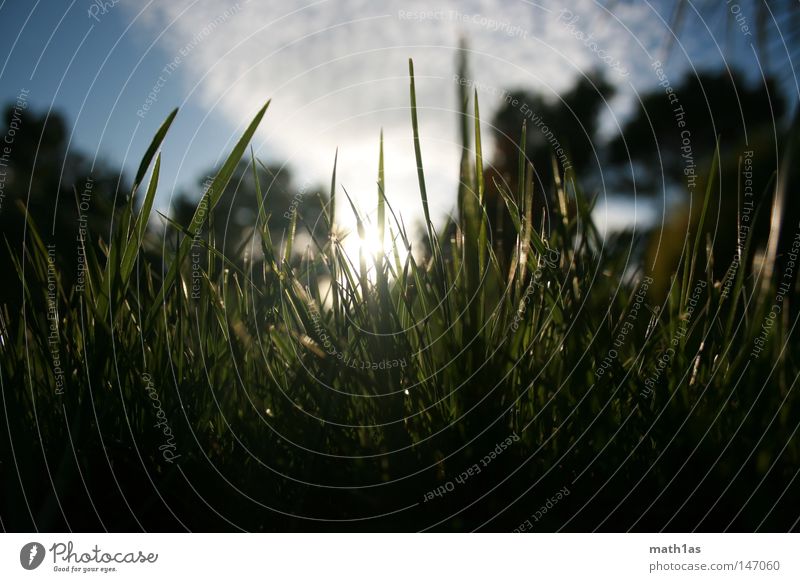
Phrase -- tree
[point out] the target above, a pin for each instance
(563, 130)
(670, 142)
(68, 199)
(234, 218)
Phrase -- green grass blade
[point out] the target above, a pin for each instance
(287, 255)
(689, 272)
(153, 148)
(381, 196)
(140, 227)
(479, 187)
(423, 191)
(206, 204)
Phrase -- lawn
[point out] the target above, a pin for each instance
(460, 387)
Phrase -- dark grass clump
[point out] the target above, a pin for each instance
(456, 391)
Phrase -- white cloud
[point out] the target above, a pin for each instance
(337, 73)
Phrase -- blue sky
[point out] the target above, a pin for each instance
(335, 69)
(98, 74)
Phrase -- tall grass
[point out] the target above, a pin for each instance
(336, 392)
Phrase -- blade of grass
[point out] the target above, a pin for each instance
(689, 272)
(153, 148)
(423, 191)
(206, 204)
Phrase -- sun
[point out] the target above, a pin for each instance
(372, 247)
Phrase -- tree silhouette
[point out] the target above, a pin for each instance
(713, 103)
(562, 129)
(234, 218)
(655, 153)
(61, 192)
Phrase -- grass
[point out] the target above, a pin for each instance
(266, 399)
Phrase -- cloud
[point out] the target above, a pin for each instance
(337, 73)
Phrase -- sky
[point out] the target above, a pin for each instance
(337, 74)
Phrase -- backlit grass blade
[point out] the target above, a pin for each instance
(206, 204)
(333, 187)
(522, 162)
(423, 191)
(211, 249)
(479, 186)
(262, 213)
(332, 243)
(381, 275)
(140, 226)
(362, 234)
(287, 255)
(381, 197)
(527, 223)
(480, 192)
